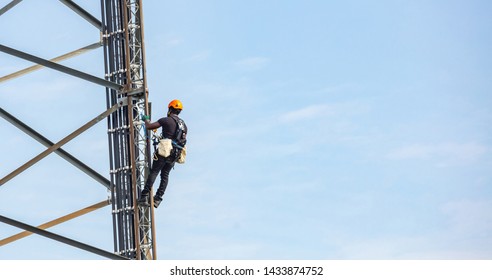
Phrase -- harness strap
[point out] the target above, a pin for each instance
(179, 131)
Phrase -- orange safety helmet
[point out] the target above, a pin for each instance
(176, 104)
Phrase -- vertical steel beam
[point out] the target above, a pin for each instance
(129, 153)
(118, 129)
(134, 32)
(146, 136)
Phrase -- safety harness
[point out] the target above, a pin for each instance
(179, 138)
(178, 142)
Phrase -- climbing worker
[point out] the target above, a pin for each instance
(174, 131)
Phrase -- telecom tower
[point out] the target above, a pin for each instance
(121, 36)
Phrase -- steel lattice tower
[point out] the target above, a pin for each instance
(121, 35)
(128, 143)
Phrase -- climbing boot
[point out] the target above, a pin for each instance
(157, 201)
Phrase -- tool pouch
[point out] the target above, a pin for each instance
(165, 147)
(182, 156)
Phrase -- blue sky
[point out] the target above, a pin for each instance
(317, 129)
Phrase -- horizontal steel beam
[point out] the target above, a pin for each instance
(58, 145)
(9, 6)
(83, 13)
(62, 239)
(47, 143)
(60, 68)
(56, 59)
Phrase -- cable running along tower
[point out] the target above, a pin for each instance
(121, 36)
(128, 144)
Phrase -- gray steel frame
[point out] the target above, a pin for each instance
(129, 144)
(9, 6)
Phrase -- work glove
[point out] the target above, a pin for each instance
(145, 118)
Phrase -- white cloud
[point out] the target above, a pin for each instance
(439, 245)
(207, 246)
(445, 154)
(338, 88)
(174, 42)
(343, 111)
(8, 69)
(470, 217)
(39, 91)
(379, 248)
(199, 56)
(252, 63)
(309, 112)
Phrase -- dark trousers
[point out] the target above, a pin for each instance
(162, 165)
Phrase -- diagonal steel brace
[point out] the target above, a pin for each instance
(61, 68)
(47, 143)
(58, 145)
(62, 239)
(56, 59)
(9, 6)
(55, 222)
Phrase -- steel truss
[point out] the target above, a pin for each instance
(129, 145)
